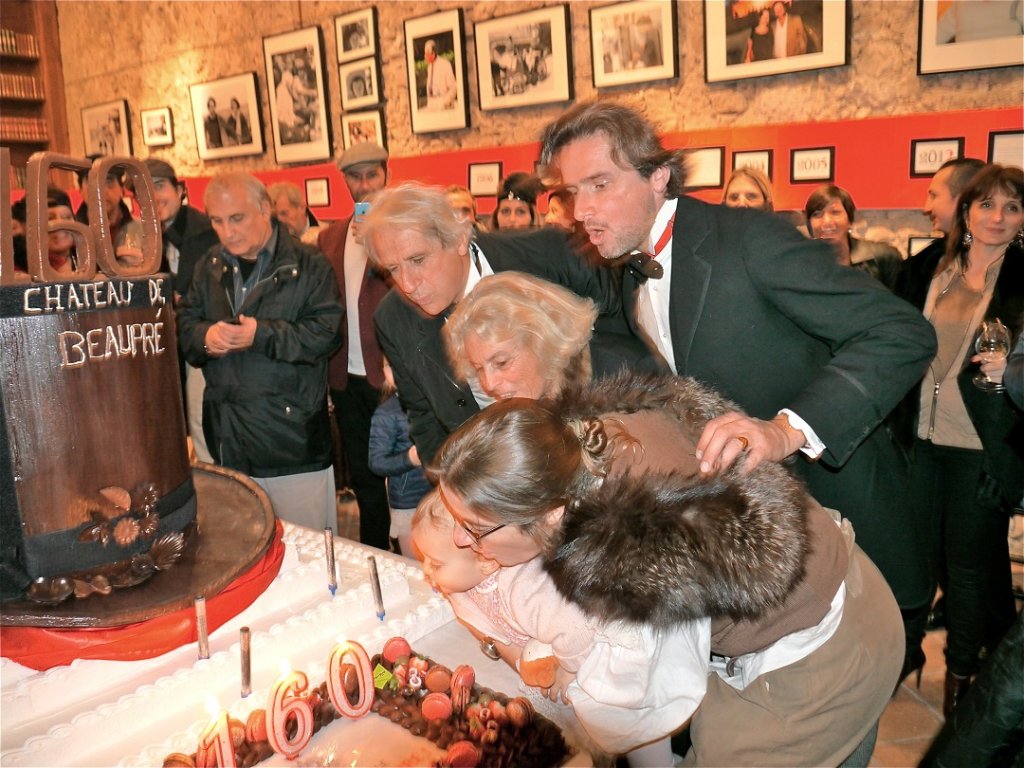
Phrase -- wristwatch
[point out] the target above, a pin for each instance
(490, 649)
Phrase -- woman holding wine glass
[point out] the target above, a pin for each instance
(966, 439)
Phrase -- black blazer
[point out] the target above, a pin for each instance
(766, 317)
(436, 401)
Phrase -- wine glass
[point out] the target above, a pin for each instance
(993, 343)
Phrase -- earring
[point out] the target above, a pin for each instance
(1018, 241)
(967, 239)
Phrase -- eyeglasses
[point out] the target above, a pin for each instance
(476, 536)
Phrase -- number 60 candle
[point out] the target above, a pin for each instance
(336, 679)
(287, 702)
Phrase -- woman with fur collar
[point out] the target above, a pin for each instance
(806, 638)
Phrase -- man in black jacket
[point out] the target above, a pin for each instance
(261, 318)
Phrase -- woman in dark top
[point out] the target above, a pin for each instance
(759, 46)
(967, 472)
(829, 212)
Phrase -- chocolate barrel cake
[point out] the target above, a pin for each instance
(93, 462)
(97, 494)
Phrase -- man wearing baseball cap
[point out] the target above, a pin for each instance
(356, 372)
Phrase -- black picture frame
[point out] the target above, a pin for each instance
(939, 50)
(212, 139)
(634, 42)
(826, 39)
(928, 155)
(705, 168)
(297, 86)
(1006, 147)
(524, 59)
(812, 165)
(483, 179)
(761, 159)
(447, 109)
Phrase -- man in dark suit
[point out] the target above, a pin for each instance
(435, 259)
(355, 372)
(817, 355)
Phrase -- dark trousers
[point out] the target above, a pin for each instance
(966, 541)
(353, 409)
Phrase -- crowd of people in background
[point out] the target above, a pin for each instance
(761, 449)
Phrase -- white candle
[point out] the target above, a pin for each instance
(332, 575)
(202, 630)
(244, 644)
(375, 586)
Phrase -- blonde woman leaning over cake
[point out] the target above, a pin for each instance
(796, 641)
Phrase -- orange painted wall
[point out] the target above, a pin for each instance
(872, 158)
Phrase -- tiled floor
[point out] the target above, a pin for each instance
(914, 716)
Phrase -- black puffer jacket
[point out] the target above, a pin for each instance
(265, 409)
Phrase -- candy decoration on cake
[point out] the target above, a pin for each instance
(491, 729)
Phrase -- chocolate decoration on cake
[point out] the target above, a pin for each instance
(96, 488)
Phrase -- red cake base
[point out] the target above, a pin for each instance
(42, 648)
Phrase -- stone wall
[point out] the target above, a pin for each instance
(150, 52)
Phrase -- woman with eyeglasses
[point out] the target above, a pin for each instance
(786, 627)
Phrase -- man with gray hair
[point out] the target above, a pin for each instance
(290, 209)
(261, 318)
(434, 259)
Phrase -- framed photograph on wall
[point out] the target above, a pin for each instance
(360, 84)
(318, 193)
(761, 159)
(954, 37)
(1006, 147)
(157, 127)
(363, 126)
(812, 164)
(227, 117)
(106, 129)
(705, 168)
(633, 42)
(928, 155)
(484, 179)
(356, 34)
(435, 55)
(298, 95)
(524, 59)
(742, 44)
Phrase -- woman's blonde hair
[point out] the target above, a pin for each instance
(759, 179)
(552, 322)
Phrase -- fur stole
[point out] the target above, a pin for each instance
(661, 548)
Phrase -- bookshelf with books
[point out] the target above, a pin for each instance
(32, 110)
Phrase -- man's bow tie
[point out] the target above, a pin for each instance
(644, 267)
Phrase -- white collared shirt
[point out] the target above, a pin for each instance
(478, 270)
(654, 295)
